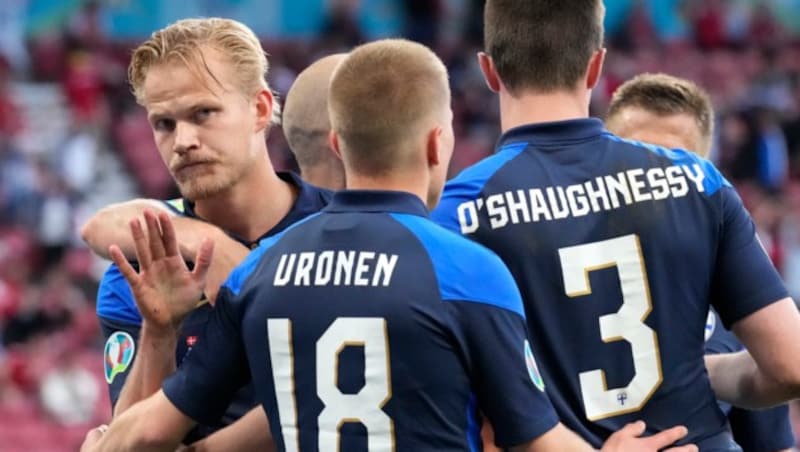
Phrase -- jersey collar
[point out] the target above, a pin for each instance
(377, 201)
(554, 133)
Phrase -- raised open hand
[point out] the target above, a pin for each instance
(164, 289)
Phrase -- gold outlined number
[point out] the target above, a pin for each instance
(364, 407)
(627, 324)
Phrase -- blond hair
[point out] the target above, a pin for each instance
(380, 97)
(184, 41)
(664, 94)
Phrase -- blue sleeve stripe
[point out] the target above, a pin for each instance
(242, 272)
(115, 300)
(713, 181)
(466, 271)
(473, 426)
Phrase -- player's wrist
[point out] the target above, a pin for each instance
(162, 332)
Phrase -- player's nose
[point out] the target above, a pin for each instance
(186, 138)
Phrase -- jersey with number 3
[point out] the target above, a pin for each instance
(369, 327)
(618, 249)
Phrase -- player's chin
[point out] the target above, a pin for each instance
(202, 187)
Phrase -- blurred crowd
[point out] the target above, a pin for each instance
(72, 139)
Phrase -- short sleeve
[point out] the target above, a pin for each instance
(119, 352)
(744, 279)
(215, 369)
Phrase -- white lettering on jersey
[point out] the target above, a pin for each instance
(602, 193)
(337, 268)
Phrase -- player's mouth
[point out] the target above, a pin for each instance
(188, 169)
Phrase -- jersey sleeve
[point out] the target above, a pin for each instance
(121, 344)
(209, 377)
(766, 430)
(120, 323)
(744, 279)
(492, 335)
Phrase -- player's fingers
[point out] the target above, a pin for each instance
(169, 237)
(154, 235)
(140, 241)
(633, 429)
(202, 260)
(93, 436)
(667, 437)
(124, 266)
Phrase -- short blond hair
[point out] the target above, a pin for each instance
(184, 41)
(380, 97)
(664, 94)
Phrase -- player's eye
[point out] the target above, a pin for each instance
(202, 114)
(164, 125)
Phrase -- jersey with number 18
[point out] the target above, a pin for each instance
(618, 249)
(369, 327)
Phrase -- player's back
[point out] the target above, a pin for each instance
(617, 250)
(370, 334)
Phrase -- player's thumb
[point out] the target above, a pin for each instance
(202, 260)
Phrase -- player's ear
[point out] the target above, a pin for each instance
(489, 72)
(264, 105)
(434, 146)
(333, 143)
(595, 69)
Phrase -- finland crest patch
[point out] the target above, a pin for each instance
(118, 354)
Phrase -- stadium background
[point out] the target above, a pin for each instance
(72, 140)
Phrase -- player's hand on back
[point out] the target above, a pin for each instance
(164, 288)
(630, 439)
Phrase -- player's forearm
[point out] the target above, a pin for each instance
(251, 432)
(109, 226)
(154, 362)
(138, 429)
(737, 379)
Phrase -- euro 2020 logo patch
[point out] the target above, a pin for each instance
(118, 354)
(533, 369)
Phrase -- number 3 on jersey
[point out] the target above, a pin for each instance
(626, 324)
(364, 407)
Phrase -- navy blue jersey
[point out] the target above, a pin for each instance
(368, 326)
(756, 431)
(120, 319)
(618, 249)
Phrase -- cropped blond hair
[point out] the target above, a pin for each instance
(381, 96)
(664, 94)
(184, 41)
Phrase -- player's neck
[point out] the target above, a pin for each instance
(537, 107)
(253, 206)
(397, 181)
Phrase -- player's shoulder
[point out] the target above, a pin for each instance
(115, 300)
(473, 178)
(713, 180)
(243, 272)
(465, 270)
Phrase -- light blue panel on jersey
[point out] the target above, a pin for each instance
(242, 272)
(465, 270)
(115, 299)
(713, 181)
(468, 184)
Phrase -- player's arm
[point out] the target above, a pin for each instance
(628, 439)
(251, 432)
(165, 291)
(748, 294)
(109, 225)
(154, 424)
